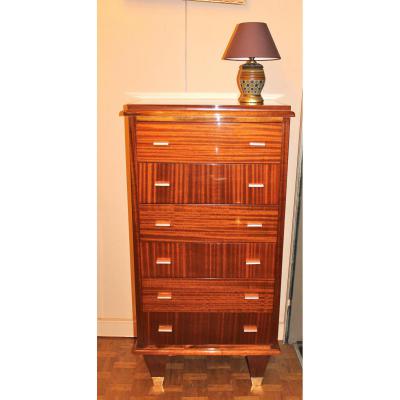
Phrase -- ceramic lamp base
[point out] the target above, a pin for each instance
(251, 80)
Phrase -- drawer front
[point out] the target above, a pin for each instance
(208, 223)
(206, 328)
(191, 295)
(208, 142)
(209, 183)
(207, 260)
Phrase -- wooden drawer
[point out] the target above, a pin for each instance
(208, 223)
(208, 142)
(209, 183)
(205, 328)
(217, 295)
(207, 260)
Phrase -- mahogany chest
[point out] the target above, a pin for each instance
(206, 194)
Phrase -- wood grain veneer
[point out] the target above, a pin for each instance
(210, 111)
(206, 193)
(208, 223)
(207, 260)
(210, 350)
(205, 328)
(203, 142)
(217, 295)
(256, 184)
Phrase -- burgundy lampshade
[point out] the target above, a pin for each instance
(251, 39)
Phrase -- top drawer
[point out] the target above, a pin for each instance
(208, 142)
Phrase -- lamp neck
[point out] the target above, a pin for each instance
(251, 63)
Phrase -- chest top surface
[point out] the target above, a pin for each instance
(207, 106)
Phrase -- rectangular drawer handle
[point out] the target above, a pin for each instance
(160, 143)
(257, 144)
(253, 261)
(254, 225)
(164, 295)
(251, 296)
(164, 328)
(162, 223)
(161, 184)
(163, 261)
(256, 185)
(249, 328)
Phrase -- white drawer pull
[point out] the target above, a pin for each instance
(253, 261)
(162, 223)
(160, 143)
(164, 295)
(161, 184)
(251, 296)
(164, 328)
(250, 328)
(256, 185)
(163, 261)
(254, 225)
(257, 144)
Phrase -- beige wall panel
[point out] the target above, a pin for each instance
(142, 49)
(139, 43)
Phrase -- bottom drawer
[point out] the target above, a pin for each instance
(206, 328)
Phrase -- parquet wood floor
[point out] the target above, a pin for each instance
(124, 376)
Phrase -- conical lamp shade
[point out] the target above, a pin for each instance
(251, 39)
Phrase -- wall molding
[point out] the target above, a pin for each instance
(118, 327)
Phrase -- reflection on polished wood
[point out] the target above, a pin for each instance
(208, 223)
(200, 328)
(183, 183)
(207, 260)
(124, 375)
(200, 142)
(206, 194)
(216, 350)
(194, 295)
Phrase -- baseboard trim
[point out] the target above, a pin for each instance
(281, 330)
(118, 327)
(299, 355)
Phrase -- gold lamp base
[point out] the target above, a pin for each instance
(251, 80)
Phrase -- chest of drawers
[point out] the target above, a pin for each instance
(206, 194)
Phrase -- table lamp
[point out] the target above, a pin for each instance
(251, 41)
